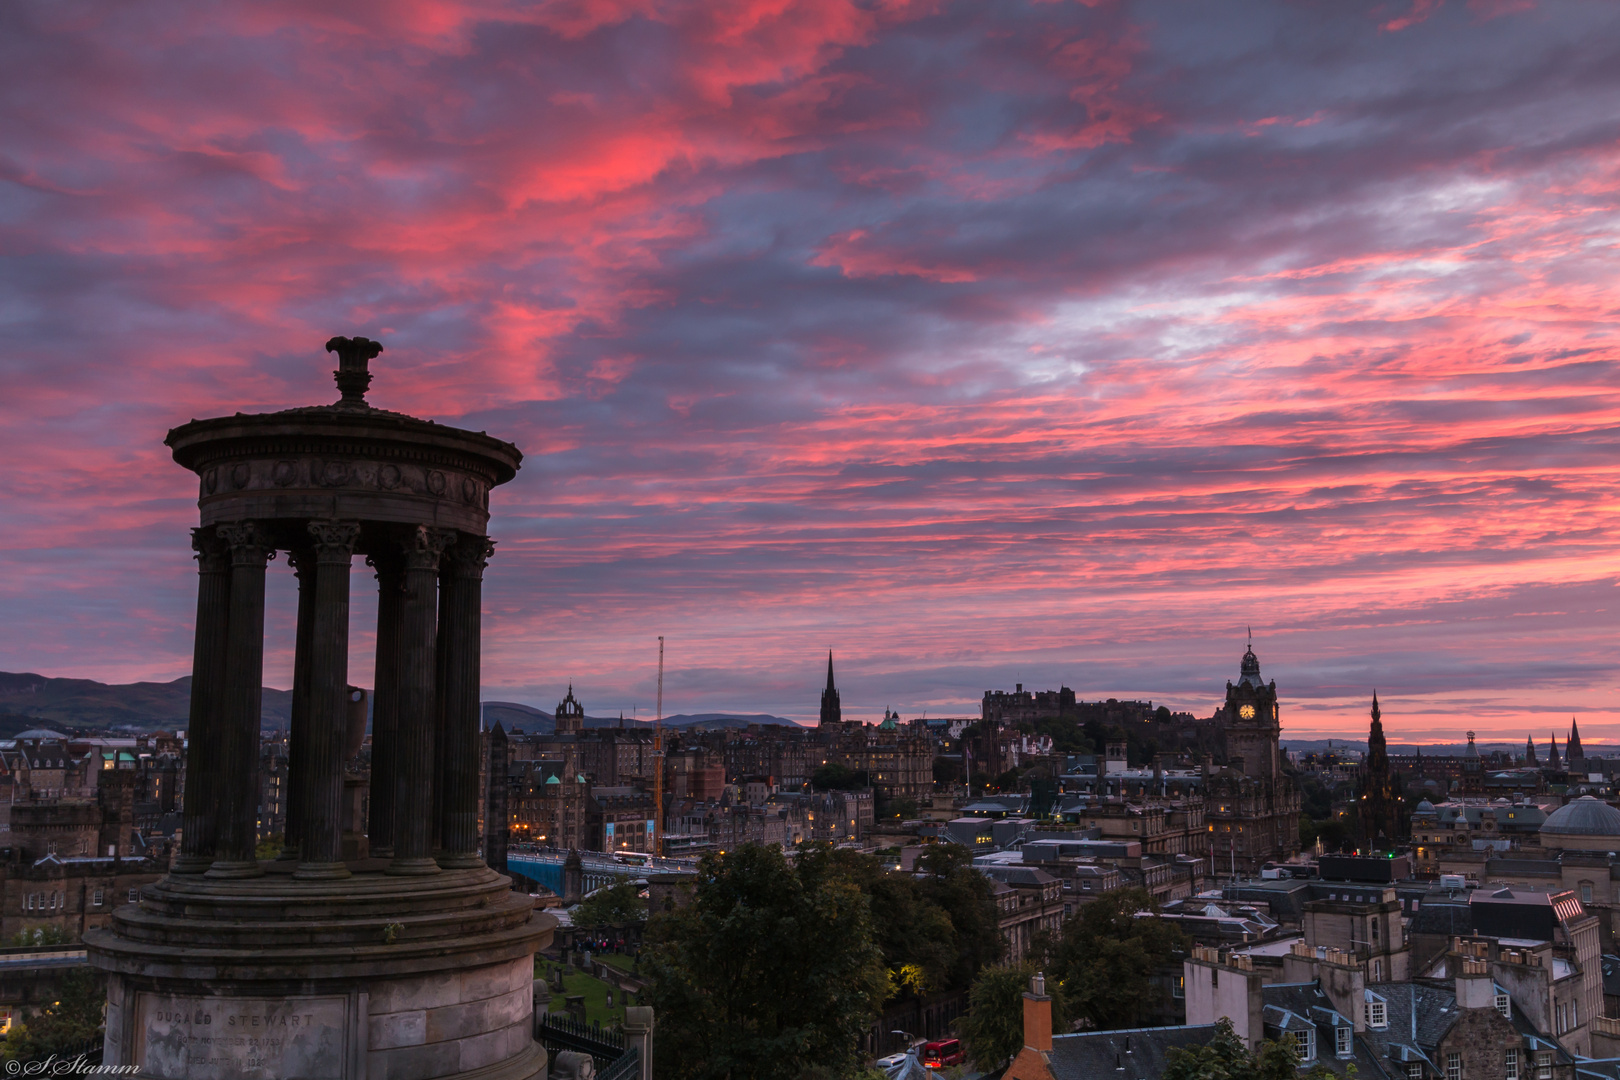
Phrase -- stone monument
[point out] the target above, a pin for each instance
(388, 951)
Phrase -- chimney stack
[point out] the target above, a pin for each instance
(1038, 1016)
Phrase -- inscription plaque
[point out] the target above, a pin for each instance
(292, 1038)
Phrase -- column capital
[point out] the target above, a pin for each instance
(335, 540)
(248, 543)
(213, 554)
(424, 547)
(468, 556)
(302, 561)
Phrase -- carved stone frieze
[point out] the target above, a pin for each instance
(353, 474)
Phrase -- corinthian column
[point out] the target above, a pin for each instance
(238, 772)
(328, 702)
(302, 561)
(200, 820)
(460, 611)
(413, 761)
(385, 702)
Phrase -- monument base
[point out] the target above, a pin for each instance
(371, 976)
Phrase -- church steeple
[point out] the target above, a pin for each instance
(1530, 750)
(1553, 761)
(831, 712)
(1572, 748)
(1379, 803)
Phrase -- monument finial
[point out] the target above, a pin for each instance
(352, 377)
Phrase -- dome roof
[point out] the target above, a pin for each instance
(1250, 670)
(40, 733)
(1425, 807)
(1586, 816)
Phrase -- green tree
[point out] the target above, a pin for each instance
(916, 935)
(834, 776)
(950, 883)
(1225, 1057)
(41, 935)
(993, 1027)
(769, 966)
(67, 1025)
(904, 809)
(1009, 780)
(620, 903)
(1106, 959)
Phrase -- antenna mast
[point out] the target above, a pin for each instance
(658, 759)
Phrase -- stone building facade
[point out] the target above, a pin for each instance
(1251, 808)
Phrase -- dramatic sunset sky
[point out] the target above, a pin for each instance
(981, 343)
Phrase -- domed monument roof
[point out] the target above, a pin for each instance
(1584, 817)
(40, 733)
(1425, 807)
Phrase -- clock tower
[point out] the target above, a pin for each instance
(1252, 722)
(1251, 806)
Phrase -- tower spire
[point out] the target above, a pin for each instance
(831, 712)
(1572, 748)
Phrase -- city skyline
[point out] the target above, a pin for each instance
(1047, 344)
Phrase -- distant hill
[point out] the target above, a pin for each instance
(28, 700)
(510, 714)
(85, 703)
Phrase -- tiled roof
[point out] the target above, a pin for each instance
(1136, 1054)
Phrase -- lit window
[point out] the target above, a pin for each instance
(1180, 989)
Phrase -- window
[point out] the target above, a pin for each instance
(1574, 1014)
(1302, 1044)
(1341, 1041)
(1214, 978)
(1375, 931)
(1375, 1014)
(1510, 1065)
(1414, 1070)
(1505, 1007)
(1586, 892)
(134, 895)
(1180, 989)
(1544, 1065)
(1453, 1067)
(95, 898)
(1377, 970)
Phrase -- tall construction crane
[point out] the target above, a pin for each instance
(658, 758)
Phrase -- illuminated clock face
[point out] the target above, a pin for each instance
(1247, 712)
